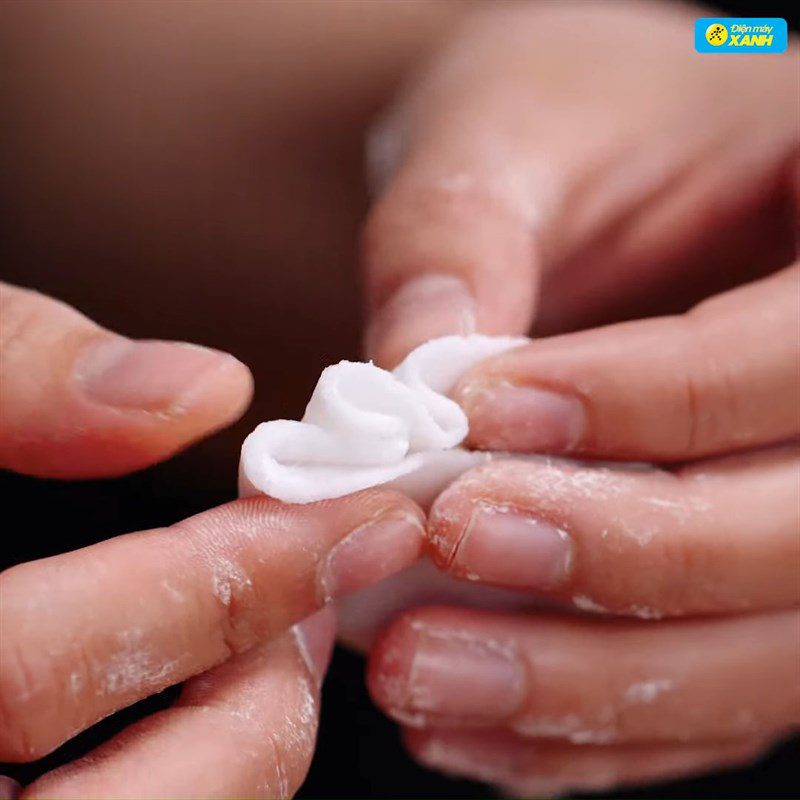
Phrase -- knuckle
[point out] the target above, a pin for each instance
(30, 325)
(241, 625)
(385, 147)
(41, 690)
(231, 582)
(441, 206)
(710, 397)
(20, 685)
(23, 688)
(22, 314)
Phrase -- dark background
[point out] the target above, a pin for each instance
(359, 753)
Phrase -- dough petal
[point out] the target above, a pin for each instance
(365, 426)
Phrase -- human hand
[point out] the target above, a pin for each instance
(214, 600)
(571, 165)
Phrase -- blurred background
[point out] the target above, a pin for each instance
(193, 170)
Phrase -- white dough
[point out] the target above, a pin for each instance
(365, 426)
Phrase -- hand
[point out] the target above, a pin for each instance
(575, 164)
(213, 601)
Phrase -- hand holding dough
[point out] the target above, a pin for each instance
(365, 426)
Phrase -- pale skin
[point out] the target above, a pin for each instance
(548, 175)
(528, 184)
(211, 600)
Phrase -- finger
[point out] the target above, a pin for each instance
(459, 211)
(432, 257)
(591, 682)
(78, 401)
(363, 615)
(245, 729)
(490, 177)
(723, 377)
(89, 632)
(9, 788)
(544, 769)
(719, 536)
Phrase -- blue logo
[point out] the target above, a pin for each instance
(740, 35)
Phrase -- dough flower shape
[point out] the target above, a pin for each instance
(365, 426)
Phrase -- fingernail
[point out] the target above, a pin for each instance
(507, 547)
(370, 553)
(148, 375)
(457, 677)
(521, 418)
(423, 308)
(314, 636)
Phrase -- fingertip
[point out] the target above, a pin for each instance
(119, 406)
(378, 501)
(220, 394)
(515, 410)
(443, 255)
(428, 669)
(478, 532)
(80, 401)
(432, 749)
(159, 399)
(153, 376)
(426, 307)
(491, 756)
(372, 552)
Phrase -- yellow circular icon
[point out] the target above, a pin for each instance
(716, 34)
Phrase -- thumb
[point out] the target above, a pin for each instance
(449, 247)
(77, 401)
(529, 149)
(453, 243)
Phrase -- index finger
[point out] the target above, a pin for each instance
(499, 174)
(79, 401)
(722, 377)
(91, 631)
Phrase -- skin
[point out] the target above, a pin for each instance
(187, 159)
(647, 215)
(539, 181)
(213, 600)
